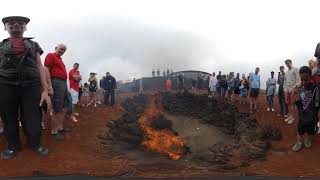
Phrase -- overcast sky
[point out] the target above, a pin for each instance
(131, 37)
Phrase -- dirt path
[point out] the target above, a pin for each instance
(281, 161)
(80, 153)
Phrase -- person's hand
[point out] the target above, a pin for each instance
(50, 91)
(45, 98)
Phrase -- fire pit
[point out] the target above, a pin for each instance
(191, 128)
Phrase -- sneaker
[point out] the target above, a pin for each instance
(291, 121)
(272, 109)
(95, 105)
(286, 116)
(20, 125)
(279, 115)
(307, 143)
(99, 102)
(268, 109)
(76, 114)
(1, 130)
(8, 154)
(74, 119)
(297, 147)
(57, 137)
(42, 150)
(64, 130)
(287, 119)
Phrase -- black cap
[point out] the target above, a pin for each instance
(107, 73)
(18, 18)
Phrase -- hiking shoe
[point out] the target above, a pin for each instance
(8, 154)
(57, 137)
(297, 147)
(291, 121)
(307, 143)
(65, 130)
(42, 150)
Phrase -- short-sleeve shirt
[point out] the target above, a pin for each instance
(255, 80)
(56, 66)
(73, 84)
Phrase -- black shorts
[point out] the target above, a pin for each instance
(92, 89)
(254, 92)
(310, 128)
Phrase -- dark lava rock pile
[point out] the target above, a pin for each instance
(126, 129)
(250, 140)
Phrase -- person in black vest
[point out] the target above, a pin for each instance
(109, 85)
(23, 87)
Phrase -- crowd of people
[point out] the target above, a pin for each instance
(298, 94)
(30, 89)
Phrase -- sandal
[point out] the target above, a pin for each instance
(42, 150)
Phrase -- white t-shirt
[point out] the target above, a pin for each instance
(212, 82)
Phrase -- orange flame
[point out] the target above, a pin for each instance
(163, 141)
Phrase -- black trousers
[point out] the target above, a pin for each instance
(15, 100)
(282, 102)
(107, 95)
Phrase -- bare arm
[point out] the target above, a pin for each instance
(44, 85)
(48, 79)
(43, 76)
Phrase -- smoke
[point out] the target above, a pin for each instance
(126, 48)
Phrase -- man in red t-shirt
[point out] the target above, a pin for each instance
(58, 74)
(74, 80)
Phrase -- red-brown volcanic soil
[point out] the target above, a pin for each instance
(83, 153)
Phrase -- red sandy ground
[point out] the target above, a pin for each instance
(82, 153)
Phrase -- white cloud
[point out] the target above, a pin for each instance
(231, 35)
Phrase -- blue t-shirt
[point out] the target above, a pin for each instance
(255, 80)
